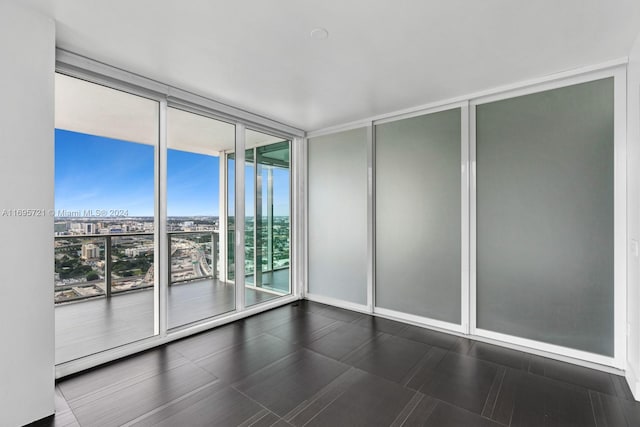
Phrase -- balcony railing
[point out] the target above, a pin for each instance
(193, 255)
(92, 266)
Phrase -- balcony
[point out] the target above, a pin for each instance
(104, 288)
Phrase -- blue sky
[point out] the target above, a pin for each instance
(101, 173)
(94, 172)
(192, 184)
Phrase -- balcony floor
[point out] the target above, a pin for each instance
(91, 326)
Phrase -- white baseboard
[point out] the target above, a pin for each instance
(495, 340)
(361, 308)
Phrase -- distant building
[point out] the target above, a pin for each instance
(140, 250)
(90, 251)
(88, 228)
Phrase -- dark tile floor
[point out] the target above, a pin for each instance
(312, 364)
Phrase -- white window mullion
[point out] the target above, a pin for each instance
(239, 261)
(161, 273)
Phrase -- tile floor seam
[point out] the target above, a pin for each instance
(315, 415)
(315, 335)
(346, 357)
(426, 343)
(301, 343)
(499, 377)
(255, 418)
(287, 419)
(415, 369)
(334, 384)
(166, 405)
(495, 403)
(113, 363)
(222, 350)
(408, 409)
(593, 408)
(125, 383)
(433, 407)
(255, 401)
(513, 410)
(258, 371)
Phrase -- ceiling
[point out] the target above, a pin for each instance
(101, 111)
(380, 56)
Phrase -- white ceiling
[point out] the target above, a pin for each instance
(98, 110)
(381, 55)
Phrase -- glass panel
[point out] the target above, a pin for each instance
(418, 216)
(231, 217)
(267, 224)
(132, 263)
(249, 206)
(104, 200)
(197, 289)
(338, 216)
(545, 216)
(273, 222)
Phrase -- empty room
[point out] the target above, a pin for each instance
(320, 213)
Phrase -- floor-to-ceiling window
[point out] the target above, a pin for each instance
(105, 264)
(267, 220)
(198, 287)
(145, 217)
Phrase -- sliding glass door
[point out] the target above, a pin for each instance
(418, 228)
(338, 216)
(198, 288)
(545, 217)
(146, 220)
(267, 217)
(502, 217)
(105, 254)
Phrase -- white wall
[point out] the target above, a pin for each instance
(27, 48)
(633, 223)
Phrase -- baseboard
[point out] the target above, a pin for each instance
(361, 308)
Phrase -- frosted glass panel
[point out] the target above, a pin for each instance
(545, 216)
(418, 216)
(338, 216)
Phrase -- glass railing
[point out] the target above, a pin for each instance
(94, 266)
(194, 255)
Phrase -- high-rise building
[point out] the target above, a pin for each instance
(90, 251)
